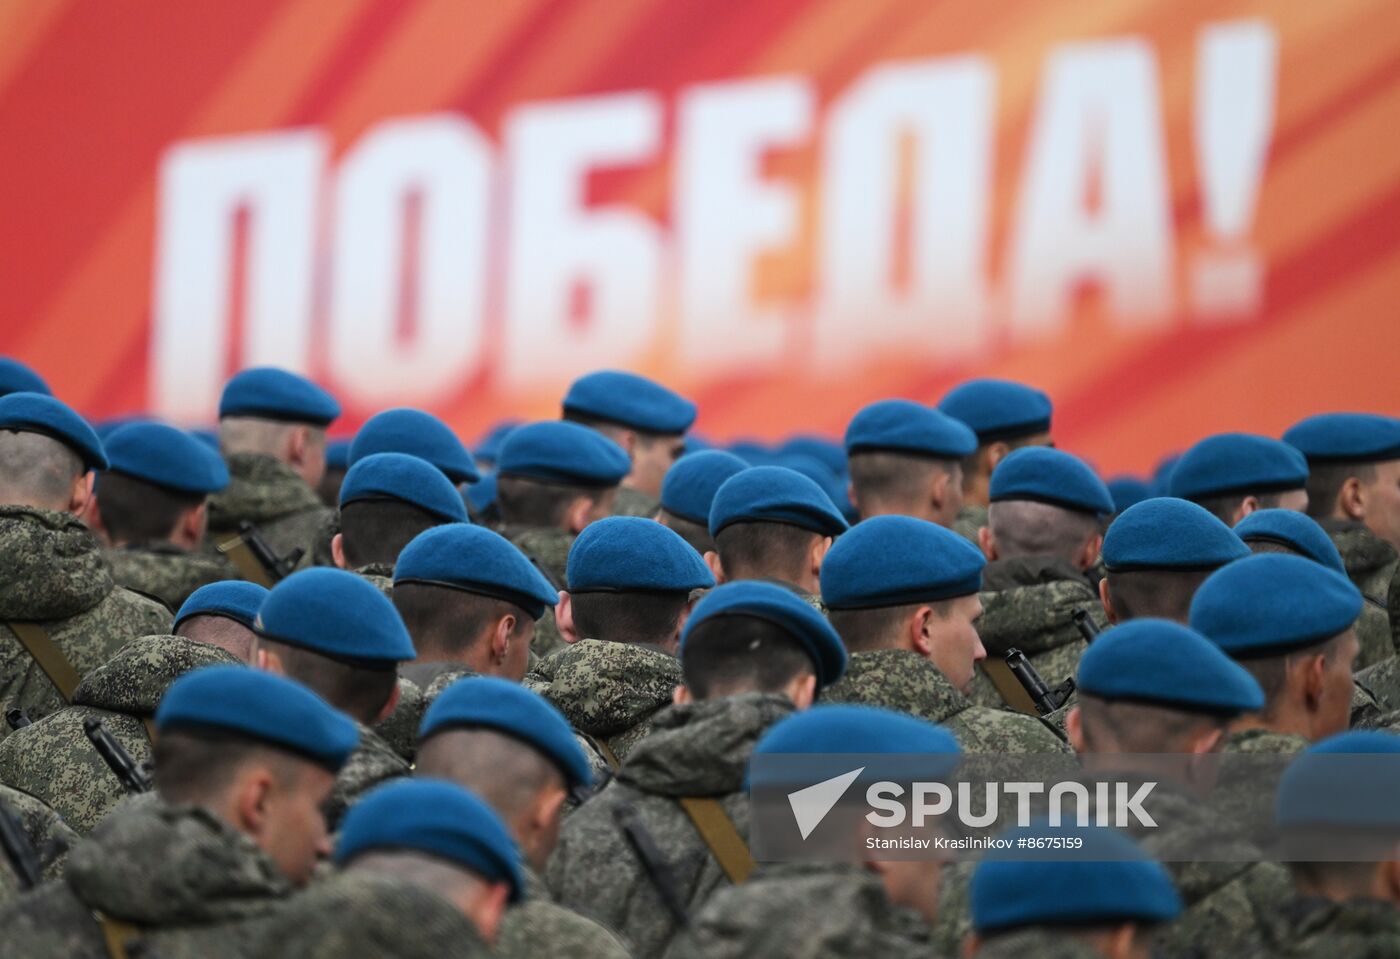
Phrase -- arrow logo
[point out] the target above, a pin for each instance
(811, 804)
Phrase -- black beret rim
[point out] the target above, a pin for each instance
(909, 597)
(357, 662)
(1279, 540)
(1009, 431)
(830, 529)
(1076, 921)
(613, 420)
(1243, 489)
(698, 520)
(527, 603)
(1017, 496)
(168, 487)
(372, 496)
(1383, 455)
(644, 590)
(86, 456)
(824, 665)
(502, 866)
(557, 478)
(329, 763)
(495, 725)
(1287, 646)
(918, 452)
(1143, 699)
(1162, 568)
(221, 613)
(277, 416)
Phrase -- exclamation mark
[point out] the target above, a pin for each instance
(1236, 75)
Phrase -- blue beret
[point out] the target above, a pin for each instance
(1128, 491)
(559, 452)
(1237, 463)
(209, 438)
(898, 561)
(998, 409)
(775, 494)
(829, 453)
(634, 554)
(234, 599)
(903, 426)
(690, 485)
(269, 393)
(629, 400)
(512, 709)
(481, 495)
(488, 449)
(818, 472)
(1114, 882)
(406, 478)
(338, 454)
(1163, 663)
(1162, 475)
(475, 560)
(261, 706)
(1324, 787)
(1294, 530)
(337, 614)
(41, 413)
(752, 452)
(1346, 438)
(106, 427)
(1052, 476)
(857, 729)
(1168, 533)
(419, 434)
(15, 377)
(1272, 604)
(439, 819)
(164, 456)
(783, 608)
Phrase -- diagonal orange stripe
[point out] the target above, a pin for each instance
(23, 27)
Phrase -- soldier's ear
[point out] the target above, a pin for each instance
(390, 704)
(578, 513)
(564, 618)
(803, 690)
(921, 631)
(338, 550)
(1089, 553)
(1390, 875)
(988, 542)
(1123, 943)
(971, 946)
(993, 454)
(1074, 729)
(1107, 601)
(500, 640)
(682, 695)
(716, 567)
(1351, 500)
(81, 494)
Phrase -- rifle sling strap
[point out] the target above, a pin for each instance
(236, 549)
(717, 830)
(607, 752)
(150, 723)
(45, 652)
(117, 935)
(1008, 686)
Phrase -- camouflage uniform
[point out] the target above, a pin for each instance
(360, 915)
(1027, 603)
(54, 574)
(548, 548)
(268, 494)
(400, 728)
(812, 910)
(1240, 794)
(697, 749)
(53, 758)
(380, 574)
(1382, 682)
(969, 520)
(538, 926)
(165, 571)
(633, 502)
(193, 885)
(46, 832)
(1374, 635)
(1039, 943)
(906, 682)
(1311, 928)
(374, 761)
(1371, 563)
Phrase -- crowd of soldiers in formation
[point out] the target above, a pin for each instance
(270, 696)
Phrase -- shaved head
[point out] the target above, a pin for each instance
(501, 769)
(1028, 528)
(37, 471)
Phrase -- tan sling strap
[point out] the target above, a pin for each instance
(1009, 686)
(723, 840)
(150, 723)
(608, 753)
(236, 549)
(45, 652)
(117, 934)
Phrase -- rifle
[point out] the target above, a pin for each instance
(17, 718)
(253, 556)
(654, 863)
(1046, 700)
(135, 777)
(1085, 624)
(24, 859)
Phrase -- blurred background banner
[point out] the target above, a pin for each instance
(1178, 217)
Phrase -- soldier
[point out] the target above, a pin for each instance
(1005, 416)
(512, 748)
(1354, 492)
(643, 417)
(388, 499)
(906, 459)
(1128, 491)
(1156, 555)
(902, 593)
(1288, 531)
(1106, 907)
(1341, 790)
(243, 762)
(1234, 474)
(488, 449)
(337, 462)
(342, 638)
(48, 835)
(770, 522)
(751, 653)
(151, 508)
(60, 613)
(1150, 689)
(829, 909)
(688, 492)
(630, 583)
(1043, 534)
(272, 431)
(426, 871)
(15, 377)
(53, 758)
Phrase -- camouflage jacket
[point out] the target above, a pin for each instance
(188, 881)
(380, 574)
(46, 832)
(812, 910)
(1373, 632)
(268, 494)
(1382, 681)
(906, 682)
(165, 571)
(360, 915)
(1244, 794)
(400, 728)
(1370, 560)
(969, 520)
(610, 691)
(1310, 928)
(1037, 943)
(698, 749)
(53, 758)
(1027, 603)
(633, 502)
(374, 761)
(54, 574)
(548, 546)
(538, 926)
